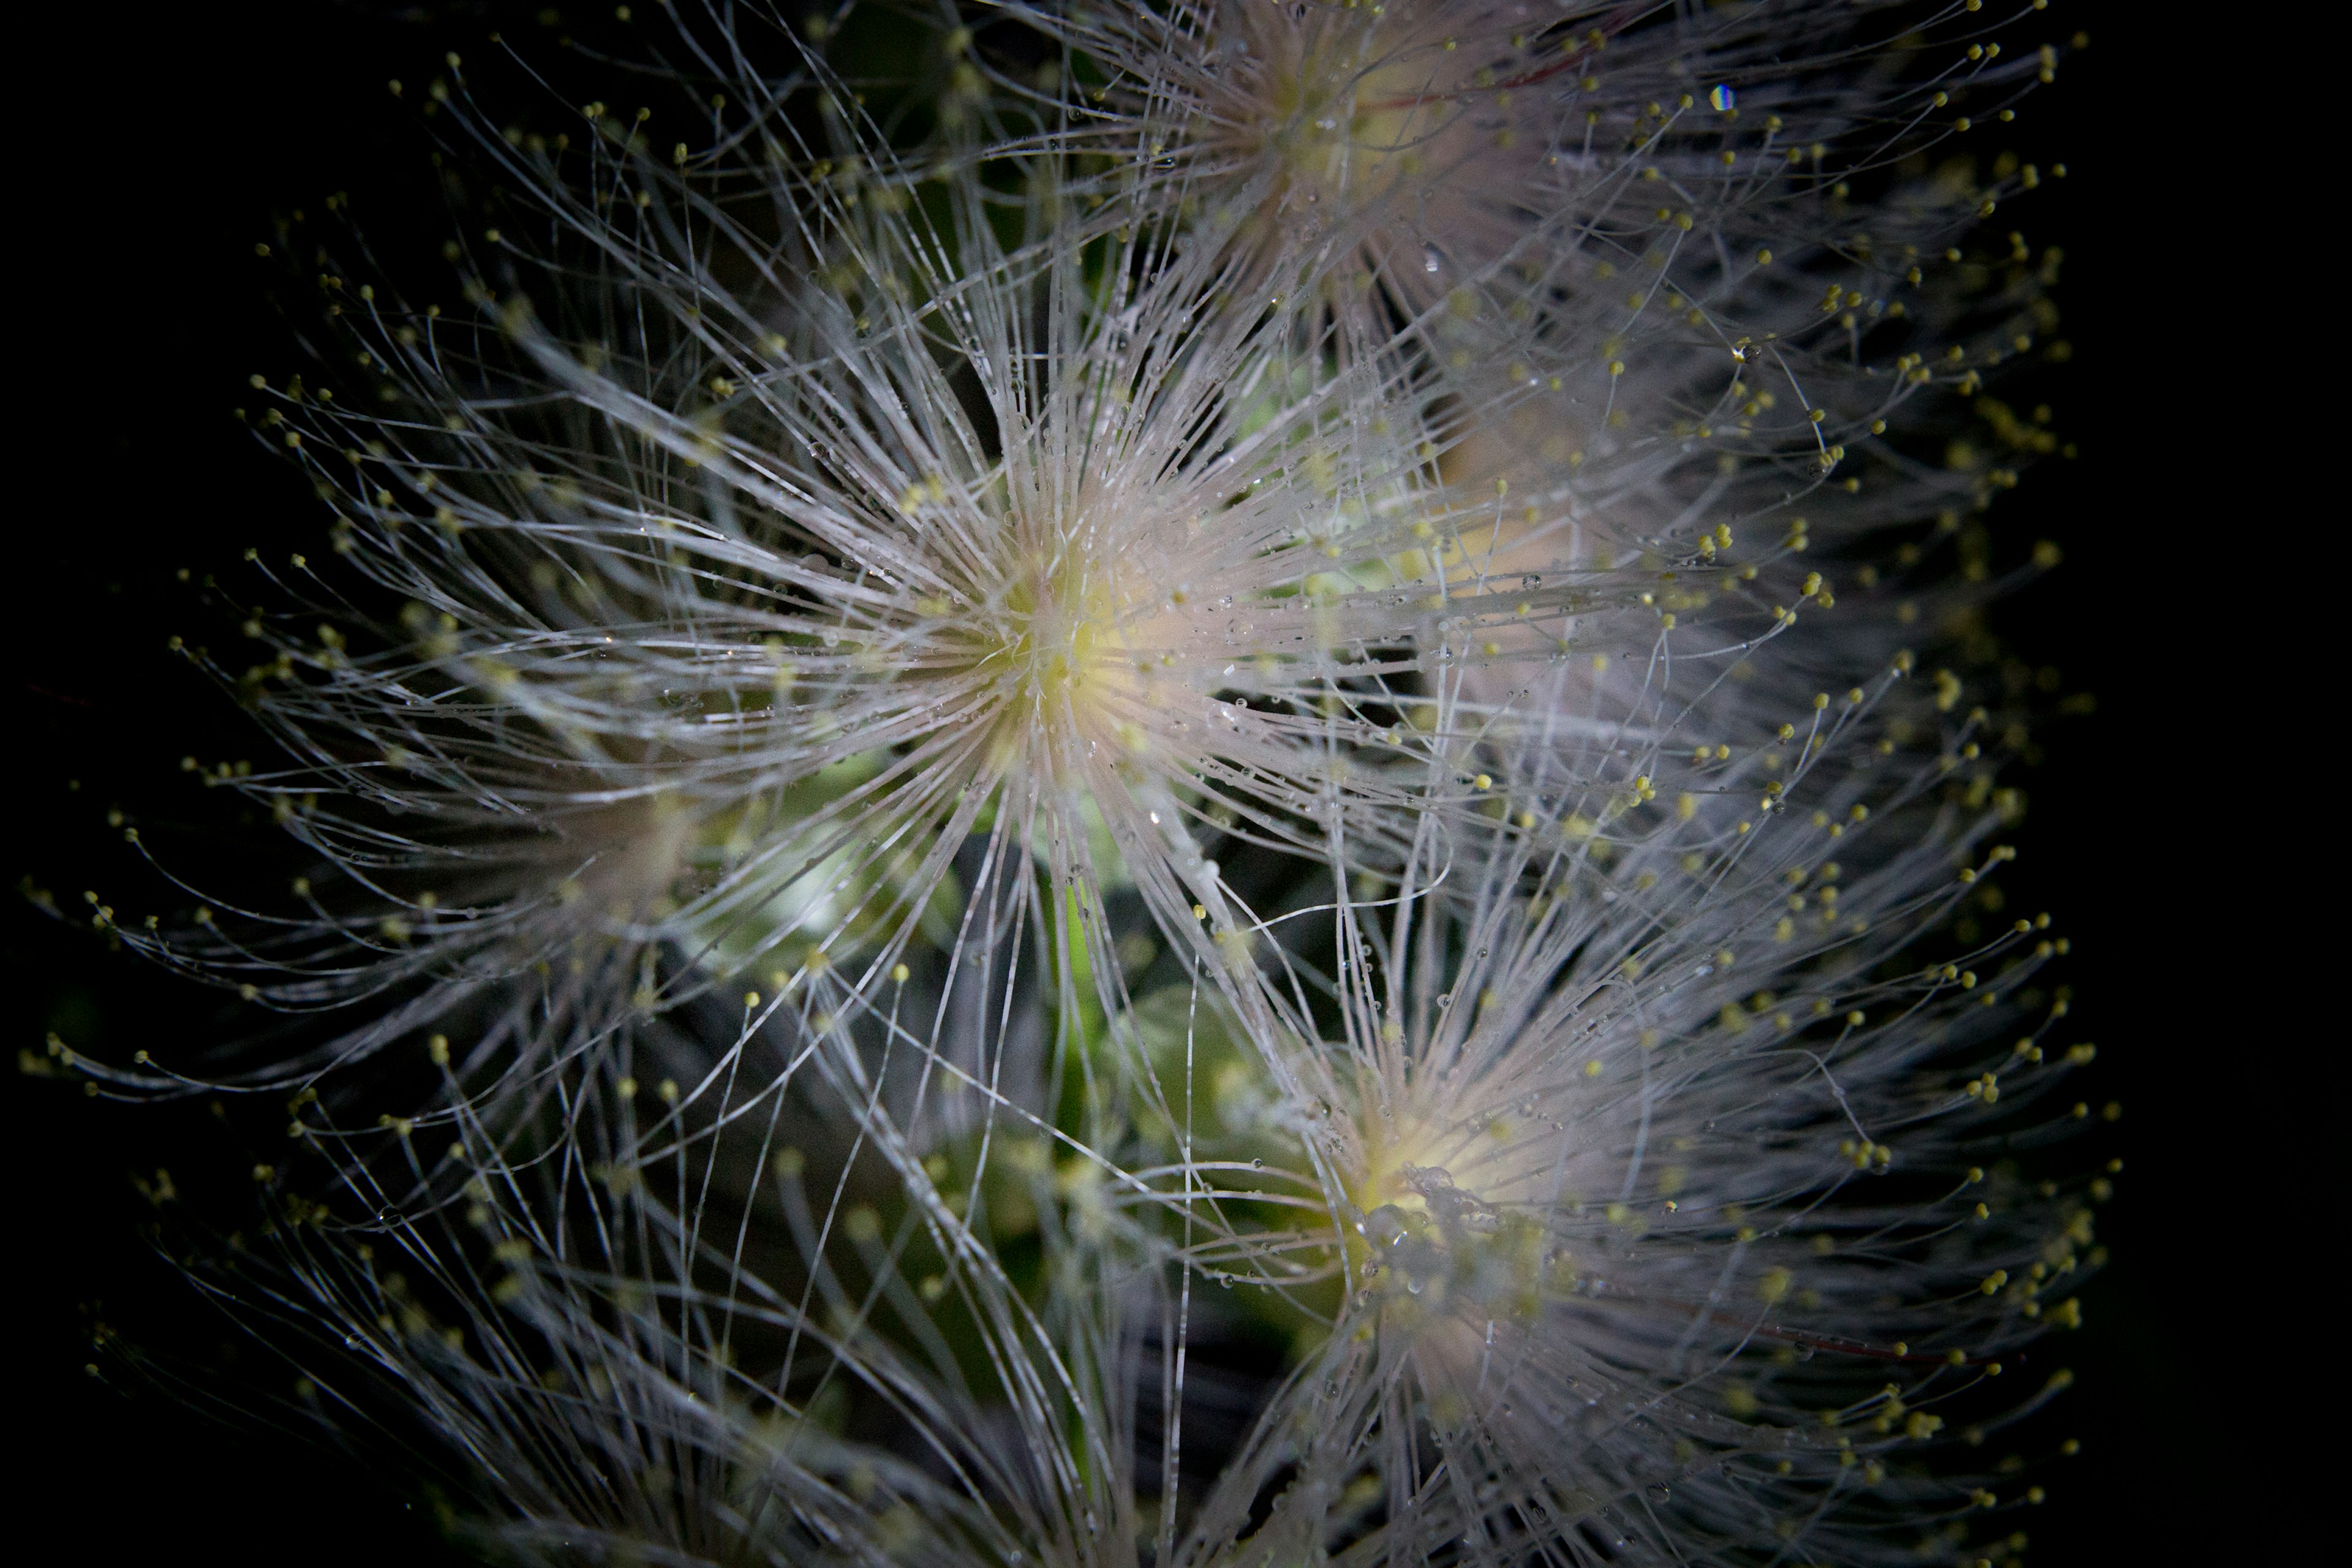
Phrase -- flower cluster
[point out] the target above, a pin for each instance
(1121, 798)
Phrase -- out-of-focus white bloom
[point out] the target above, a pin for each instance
(1568, 186)
(696, 1349)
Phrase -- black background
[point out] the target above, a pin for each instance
(153, 148)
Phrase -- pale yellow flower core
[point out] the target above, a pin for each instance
(1422, 1240)
(1060, 635)
(1341, 114)
(1068, 645)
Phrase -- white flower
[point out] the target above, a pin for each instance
(740, 597)
(1649, 1190)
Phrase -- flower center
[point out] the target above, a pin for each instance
(1058, 636)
